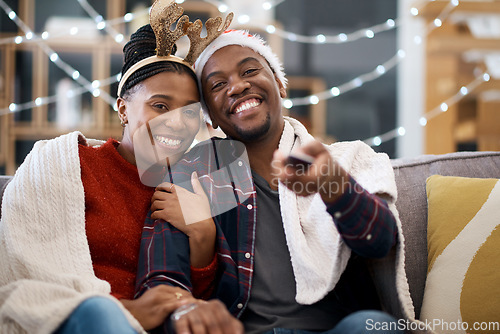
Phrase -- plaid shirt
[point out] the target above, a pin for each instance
(363, 220)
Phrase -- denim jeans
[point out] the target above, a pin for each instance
(362, 322)
(96, 315)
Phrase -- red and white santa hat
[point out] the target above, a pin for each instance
(242, 38)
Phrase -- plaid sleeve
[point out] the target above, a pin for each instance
(365, 222)
(163, 257)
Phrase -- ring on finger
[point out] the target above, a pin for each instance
(178, 295)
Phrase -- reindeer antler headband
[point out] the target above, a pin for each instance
(163, 14)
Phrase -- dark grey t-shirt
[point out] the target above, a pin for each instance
(272, 298)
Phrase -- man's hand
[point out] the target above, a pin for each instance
(324, 175)
(156, 304)
(208, 318)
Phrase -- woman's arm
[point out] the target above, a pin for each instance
(190, 213)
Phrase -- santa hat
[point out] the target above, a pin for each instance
(242, 38)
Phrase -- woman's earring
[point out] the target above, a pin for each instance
(123, 123)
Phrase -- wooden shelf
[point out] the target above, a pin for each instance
(464, 122)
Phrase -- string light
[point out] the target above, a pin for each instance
(54, 57)
(380, 70)
(329, 39)
(348, 86)
(101, 24)
(444, 106)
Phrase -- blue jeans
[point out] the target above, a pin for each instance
(96, 315)
(361, 322)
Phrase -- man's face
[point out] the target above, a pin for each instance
(242, 94)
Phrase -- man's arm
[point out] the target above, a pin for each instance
(365, 221)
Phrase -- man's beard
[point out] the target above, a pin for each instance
(254, 134)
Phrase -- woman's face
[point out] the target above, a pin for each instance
(163, 118)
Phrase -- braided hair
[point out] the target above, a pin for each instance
(142, 45)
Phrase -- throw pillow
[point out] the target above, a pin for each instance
(462, 291)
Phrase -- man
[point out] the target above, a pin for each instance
(292, 252)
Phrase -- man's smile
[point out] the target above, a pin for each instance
(239, 107)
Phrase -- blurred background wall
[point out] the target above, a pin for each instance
(408, 77)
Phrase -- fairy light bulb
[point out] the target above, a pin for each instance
(101, 25)
(314, 99)
(54, 57)
(422, 121)
(128, 17)
(321, 38)
(267, 5)
(444, 107)
(287, 104)
(335, 91)
(223, 8)
(377, 141)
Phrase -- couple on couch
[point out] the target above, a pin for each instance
(154, 234)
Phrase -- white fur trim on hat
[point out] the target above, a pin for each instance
(242, 38)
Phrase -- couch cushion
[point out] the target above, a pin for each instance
(3, 183)
(463, 242)
(411, 175)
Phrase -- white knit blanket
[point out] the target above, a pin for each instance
(46, 268)
(318, 254)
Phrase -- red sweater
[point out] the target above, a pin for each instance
(116, 205)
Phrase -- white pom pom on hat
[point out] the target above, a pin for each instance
(242, 38)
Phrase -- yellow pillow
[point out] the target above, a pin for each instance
(462, 291)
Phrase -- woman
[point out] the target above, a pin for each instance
(73, 214)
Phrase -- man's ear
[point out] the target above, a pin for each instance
(281, 88)
(122, 110)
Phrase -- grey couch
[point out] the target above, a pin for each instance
(412, 202)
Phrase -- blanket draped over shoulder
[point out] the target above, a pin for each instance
(46, 268)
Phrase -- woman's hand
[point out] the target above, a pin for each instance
(190, 213)
(156, 304)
